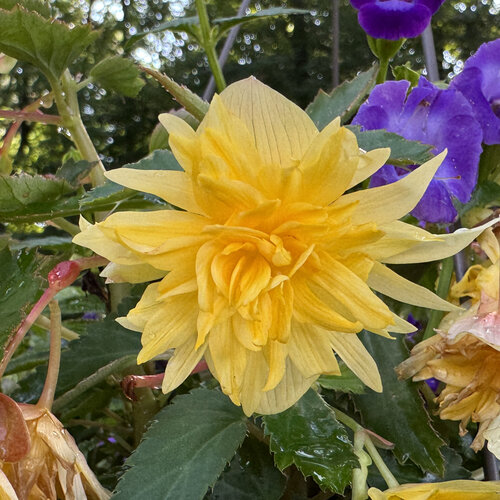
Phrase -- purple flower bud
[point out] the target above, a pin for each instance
(395, 19)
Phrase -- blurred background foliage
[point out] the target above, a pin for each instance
(283, 52)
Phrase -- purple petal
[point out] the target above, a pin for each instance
(433, 5)
(383, 107)
(394, 19)
(479, 83)
(385, 175)
(436, 205)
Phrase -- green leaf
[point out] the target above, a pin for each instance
(119, 75)
(226, 23)
(38, 6)
(343, 101)
(405, 72)
(403, 152)
(179, 24)
(50, 45)
(20, 287)
(309, 436)
(73, 172)
(185, 450)
(251, 475)
(486, 195)
(345, 382)
(398, 413)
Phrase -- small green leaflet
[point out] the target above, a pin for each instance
(185, 449)
(119, 75)
(345, 382)
(309, 436)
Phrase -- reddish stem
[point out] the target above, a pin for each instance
(132, 382)
(30, 116)
(63, 275)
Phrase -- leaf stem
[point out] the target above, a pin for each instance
(359, 475)
(382, 71)
(442, 291)
(208, 43)
(380, 464)
(49, 388)
(8, 114)
(67, 334)
(65, 225)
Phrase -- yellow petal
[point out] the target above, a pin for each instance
(229, 359)
(291, 388)
(275, 353)
(328, 165)
(448, 245)
(105, 245)
(168, 326)
(181, 364)
(368, 164)
(310, 350)
(172, 186)
(281, 130)
(392, 201)
(387, 282)
(139, 273)
(183, 140)
(6, 490)
(357, 358)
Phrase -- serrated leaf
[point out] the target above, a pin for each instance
(119, 75)
(398, 413)
(309, 436)
(226, 23)
(403, 151)
(50, 45)
(38, 6)
(178, 24)
(251, 475)
(185, 450)
(345, 382)
(20, 287)
(343, 100)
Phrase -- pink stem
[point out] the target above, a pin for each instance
(35, 116)
(63, 275)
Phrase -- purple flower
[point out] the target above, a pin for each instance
(395, 19)
(479, 82)
(441, 118)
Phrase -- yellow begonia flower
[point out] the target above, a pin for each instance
(465, 355)
(450, 490)
(270, 266)
(53, 467)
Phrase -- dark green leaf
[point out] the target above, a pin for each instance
(34, 5)
(50, 45)
(345, 382)
(343, 101)
(74, 171)
(48, 242)
(398, 413)
(309, 436)
(185, 450)
(27, 361)
(226, 23)
(178, 24)
(486, 195)
(251, 475)
(119, 75)
(489, 163)
(403, 152)
(20, 287)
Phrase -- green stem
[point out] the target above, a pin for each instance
(67, 105)
(65, 225)
(382, 71)
(208, 44)
(49, 388)
(442, 291)
(380, 464)
(359, 487)
(67, 334)
(346, 420)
